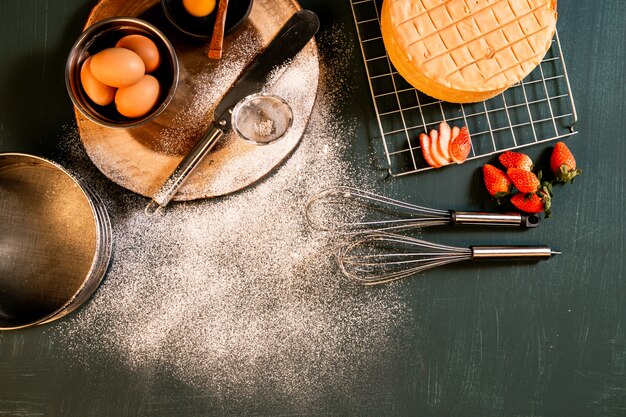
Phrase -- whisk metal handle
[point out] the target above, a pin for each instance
(512, 252)
(493, 219)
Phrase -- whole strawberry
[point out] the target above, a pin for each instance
(516, 160)
(524, 181)
(497, 182)
(533, 202)
(563, 164)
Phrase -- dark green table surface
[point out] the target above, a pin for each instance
(546, 339)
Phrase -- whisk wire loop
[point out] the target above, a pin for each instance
(382, 257)
(354, 204)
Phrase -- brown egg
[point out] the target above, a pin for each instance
(98, 92)
(144, 47)
(138, 99)
(199, 8)
(117, 67)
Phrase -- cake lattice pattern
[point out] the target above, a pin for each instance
(475, 44)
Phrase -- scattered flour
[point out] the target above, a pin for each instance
(235, 296)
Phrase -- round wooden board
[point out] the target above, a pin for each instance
(141, 159)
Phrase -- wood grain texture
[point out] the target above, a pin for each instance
(142, 158)
(217, 39)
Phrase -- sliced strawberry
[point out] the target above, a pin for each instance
(496, 181)
(445, 134)
(428, 156)
(563, 164)
(524, 181)
(434, 149)
(460, 146)
(516, 160)
(455, 132)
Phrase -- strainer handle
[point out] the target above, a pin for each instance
(169, 188)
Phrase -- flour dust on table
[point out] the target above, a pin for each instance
(235, 296)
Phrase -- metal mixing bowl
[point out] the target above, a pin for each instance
(55, 244)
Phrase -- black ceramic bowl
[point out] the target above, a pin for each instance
(201, 28)
(104, 34)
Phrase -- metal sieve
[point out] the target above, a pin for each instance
(55, 241)
(262, 118)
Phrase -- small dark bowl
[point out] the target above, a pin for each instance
(201, 28)
(105, 34)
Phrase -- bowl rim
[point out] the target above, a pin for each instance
(84, 40)
(165, 5)
(102, 252)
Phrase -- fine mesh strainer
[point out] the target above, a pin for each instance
(55, 241)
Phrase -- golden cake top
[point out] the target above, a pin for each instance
(473, 45)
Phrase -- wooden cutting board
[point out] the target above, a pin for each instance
(141, 158)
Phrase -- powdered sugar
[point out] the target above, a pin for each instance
(236, 296)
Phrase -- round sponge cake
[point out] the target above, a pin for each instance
(465, 51)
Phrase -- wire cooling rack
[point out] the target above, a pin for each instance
(539, 109)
